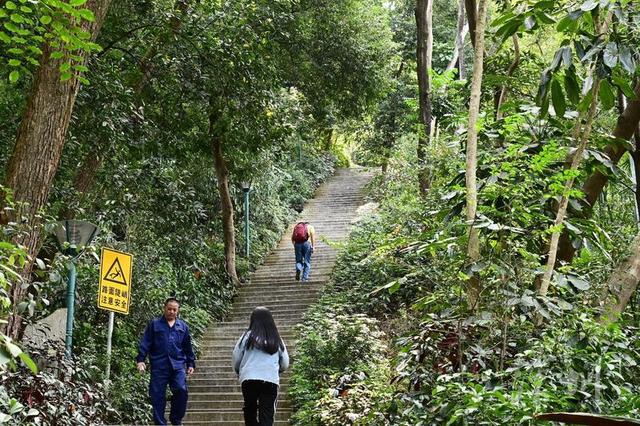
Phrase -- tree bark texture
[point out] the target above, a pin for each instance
(84, 179)
(222, 176)
(423, 21)
(472, 19)
(583, 132)
(635, 165)
(473, 247)
(621, 285)
(41, 137)
(626, 126)
(457, 59)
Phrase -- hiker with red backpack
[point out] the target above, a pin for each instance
(303, 239)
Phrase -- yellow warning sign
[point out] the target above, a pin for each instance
(114, 292)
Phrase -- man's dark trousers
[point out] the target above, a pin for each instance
(177, 381)
(263, 393)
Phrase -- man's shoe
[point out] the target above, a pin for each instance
(297, 274)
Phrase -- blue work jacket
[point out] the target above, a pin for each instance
(167, 345)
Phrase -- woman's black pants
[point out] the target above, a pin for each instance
(260, 399)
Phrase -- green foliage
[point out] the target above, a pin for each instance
(576, 365)
(62, 393)
(610, 53)
(340, 373)
(25, 26)
(405, 265)
(12, 259)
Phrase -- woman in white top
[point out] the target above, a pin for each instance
(258, 358)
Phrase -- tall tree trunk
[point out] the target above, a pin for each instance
(626, 126)
(423, 21)
(472, 18)
(222, 175)
(635, 165)
(583, 132)
(473, 248)
(502, 95)
(41, 137)
(621, 285)
(93, 159)
(458, 52)
(84, 179)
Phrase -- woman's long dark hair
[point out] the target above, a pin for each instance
(264, 333)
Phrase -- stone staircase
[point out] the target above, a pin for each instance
(215, 397)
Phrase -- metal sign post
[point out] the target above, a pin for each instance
(107, 374)
(114, 291)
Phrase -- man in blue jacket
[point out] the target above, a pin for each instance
(168, 343)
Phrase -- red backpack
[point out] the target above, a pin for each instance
(300, 233)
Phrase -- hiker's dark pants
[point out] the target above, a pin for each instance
(259, 402)
(303, 258)
(161, 376)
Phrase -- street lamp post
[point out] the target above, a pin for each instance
(73, 236)
(246, 188)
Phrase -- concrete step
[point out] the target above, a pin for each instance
(231, 387)
(229, 415)
(236, 403)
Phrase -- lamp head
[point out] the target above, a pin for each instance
(246, 185)
(74, 235)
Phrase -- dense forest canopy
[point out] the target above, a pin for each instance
(495, 279)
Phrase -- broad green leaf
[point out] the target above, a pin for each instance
(543, 87)
(10, 27)
(586, 85)
(18, 19)
(10, 5)
(557, 98)
(571, 86)
(4, 37)
(26, 359)
(64, 76)
(87, 15)
(589, 5)
(544, 18)
(626, 59)
(557, 59)
(607, 97)
(57, 55)
(5, 357)
(13, 349)
(530, 22)
(76, 3)
(623, 84)
(585, 102)
(578, 283)
(509, 29)
(610, 56)
(14, 62)
(566, 56)
(14, 76)
(45, 19)
(65, 67)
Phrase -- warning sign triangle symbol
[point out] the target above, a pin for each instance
(115, 273)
